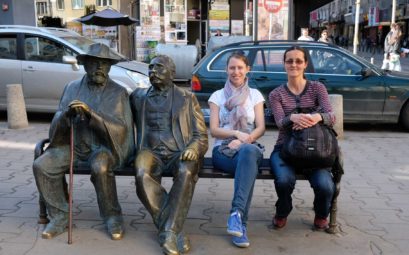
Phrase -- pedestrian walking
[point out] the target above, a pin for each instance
(391, 60)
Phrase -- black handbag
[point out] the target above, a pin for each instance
(310, 148)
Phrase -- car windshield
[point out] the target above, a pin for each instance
(83, 43)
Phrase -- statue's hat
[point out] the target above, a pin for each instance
(101, 51)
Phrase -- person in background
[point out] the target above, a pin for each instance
(299, 92)
(324, 37)
(304, 35)
(392, 49)
(218, 33)
(237, 121)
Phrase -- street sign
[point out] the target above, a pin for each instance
(273, 6)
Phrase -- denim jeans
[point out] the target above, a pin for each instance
(244, 166)
(284, 181)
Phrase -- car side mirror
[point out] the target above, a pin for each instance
(365, 72)
(71, 60)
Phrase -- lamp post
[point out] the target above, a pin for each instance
(358, 6)
(393, 11)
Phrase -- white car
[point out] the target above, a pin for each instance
(44, 60)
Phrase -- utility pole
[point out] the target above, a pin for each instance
(255, 20)
(393, 11)
(357, 7)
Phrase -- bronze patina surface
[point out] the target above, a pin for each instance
(103, 141)
(171, 137)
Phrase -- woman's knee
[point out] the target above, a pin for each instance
(283, 175)
(250, 151)
(323, 184)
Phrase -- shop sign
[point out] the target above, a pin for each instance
(273, 6)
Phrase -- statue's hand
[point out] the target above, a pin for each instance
(77, 107)
(189, 154)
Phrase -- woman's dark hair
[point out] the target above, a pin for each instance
(294, 47)
(239, 55)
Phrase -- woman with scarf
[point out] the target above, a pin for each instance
(392, 49)
(236, 122)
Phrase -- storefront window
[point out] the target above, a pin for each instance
(60, 4)
(104, 2)
(77, 4)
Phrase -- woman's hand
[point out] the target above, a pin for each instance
(235, 144)
(302, 120)
(243, 137)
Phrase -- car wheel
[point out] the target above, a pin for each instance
(404, 116)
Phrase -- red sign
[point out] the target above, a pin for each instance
(273, 5)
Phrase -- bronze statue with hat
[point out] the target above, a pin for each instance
(172, 138)
(99, 112)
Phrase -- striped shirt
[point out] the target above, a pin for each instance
(283, 102)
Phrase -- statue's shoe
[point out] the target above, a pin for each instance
(115, 228)
(168, 242)
(183, 243)
(54, 228)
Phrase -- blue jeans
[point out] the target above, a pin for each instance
(284, 181)
(244, 166)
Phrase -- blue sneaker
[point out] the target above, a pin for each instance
(234, 225)
(243, 241)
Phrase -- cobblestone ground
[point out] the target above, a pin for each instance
(373, 206)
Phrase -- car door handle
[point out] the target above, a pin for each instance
(29, 69)
(262, 78)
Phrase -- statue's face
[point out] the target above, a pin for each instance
(97, 69)
(160, 73)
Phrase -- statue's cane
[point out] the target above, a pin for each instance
(70, 188)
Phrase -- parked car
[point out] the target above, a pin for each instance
(370, 94)
(44, 60)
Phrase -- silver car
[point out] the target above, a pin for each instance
(44, 60)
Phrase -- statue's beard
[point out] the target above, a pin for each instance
(98, 78)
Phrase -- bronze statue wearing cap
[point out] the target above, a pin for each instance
(100, 113)
(171, 137)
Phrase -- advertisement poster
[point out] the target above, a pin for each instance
(105, 35)
(272, 20)
(175, 21)
(237, 27)
(148, 34)
(219, 19)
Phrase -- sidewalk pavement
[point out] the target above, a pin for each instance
(373, 207)
(377, 58)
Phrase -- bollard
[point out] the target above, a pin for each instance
(372, 60)
(337, 107)
(16, 108)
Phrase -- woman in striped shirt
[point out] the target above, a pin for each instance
(299, 92)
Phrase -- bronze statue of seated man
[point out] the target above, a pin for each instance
(171, 137)
(100, 113)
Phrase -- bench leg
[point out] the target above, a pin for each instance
(333, 215)
(42, 217)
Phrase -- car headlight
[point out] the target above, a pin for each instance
(141, 80)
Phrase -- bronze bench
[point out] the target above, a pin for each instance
(207, 171)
